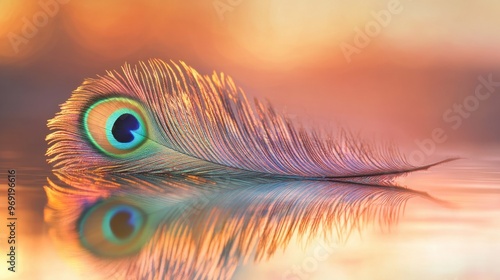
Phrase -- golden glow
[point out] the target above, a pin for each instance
(21, 38)
(276, 33)
(108, 28)
(282, 31)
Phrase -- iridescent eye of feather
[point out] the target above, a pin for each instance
(116, 126)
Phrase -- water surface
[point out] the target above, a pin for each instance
(459, 239)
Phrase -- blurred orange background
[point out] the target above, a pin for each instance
(414, 65)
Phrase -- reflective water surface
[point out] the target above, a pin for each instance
(455, 239)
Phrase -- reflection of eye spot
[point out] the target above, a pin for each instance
(121, 225)
(123, 127)
(114, 228)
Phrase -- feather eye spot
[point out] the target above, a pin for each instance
(116, 125)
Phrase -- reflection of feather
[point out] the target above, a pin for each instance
(193, 228)
(167, 118)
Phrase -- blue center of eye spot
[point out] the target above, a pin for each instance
(122, 225)
(123, 127)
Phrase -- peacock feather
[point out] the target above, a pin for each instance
(164, 173)
(160, 117)
(153, 227)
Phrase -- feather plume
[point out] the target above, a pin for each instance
(159, 117)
